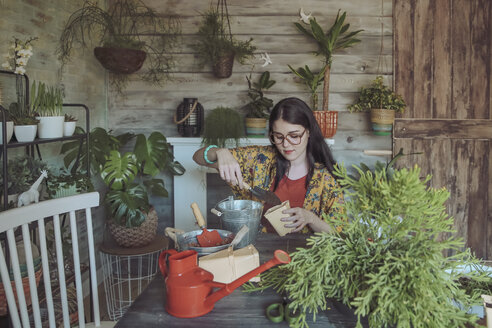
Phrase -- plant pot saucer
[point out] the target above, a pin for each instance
(120, 60)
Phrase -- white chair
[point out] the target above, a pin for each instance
(34, 218)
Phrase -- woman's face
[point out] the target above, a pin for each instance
(290, 139)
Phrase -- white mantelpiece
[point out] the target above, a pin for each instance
(192, 186)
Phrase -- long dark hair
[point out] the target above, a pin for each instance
(295, 111)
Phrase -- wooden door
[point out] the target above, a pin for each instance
(443, 69)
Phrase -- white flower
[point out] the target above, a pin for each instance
(305, 18)
(266, 58)
(6, 65)
(21, 61)
(20, 70)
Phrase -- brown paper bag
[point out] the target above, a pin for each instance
(274, 215)
(228, 265)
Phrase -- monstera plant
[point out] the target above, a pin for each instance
(131, 178)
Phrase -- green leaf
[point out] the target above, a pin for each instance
(156, 187)
(119, 170)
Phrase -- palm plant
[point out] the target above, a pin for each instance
(311, 80)
(336, 38)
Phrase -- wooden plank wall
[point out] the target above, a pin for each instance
(270, 23)
(443, 68)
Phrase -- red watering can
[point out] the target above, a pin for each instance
(190, 288)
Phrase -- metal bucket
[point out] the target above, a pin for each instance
(186, 240)
(234, 213)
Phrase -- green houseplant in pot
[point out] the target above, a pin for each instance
(217, 46)
(386, 262)
(336, 38)
(124, 35)
(382, 102)
(47, 104)
(131, 178)
(222, 125)
(258, 109)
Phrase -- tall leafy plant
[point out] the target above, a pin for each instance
(335, 38)
(131, 176)
(46, 100)
(387, 261)
(259, 106)
(312, 80)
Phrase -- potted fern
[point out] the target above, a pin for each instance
(217, 46)
(386, 262)
(47, 103)
(223, 125)
(382, 102)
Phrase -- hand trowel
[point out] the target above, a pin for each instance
(262, 194)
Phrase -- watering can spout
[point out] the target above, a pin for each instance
(279, 257)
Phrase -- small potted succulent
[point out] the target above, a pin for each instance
(382, 102)
(69, 125)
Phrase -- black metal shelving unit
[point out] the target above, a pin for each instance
(33, 146)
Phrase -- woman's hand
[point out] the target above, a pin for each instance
(228, 167)
(298, 219)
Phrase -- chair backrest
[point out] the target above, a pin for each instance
(23, 225)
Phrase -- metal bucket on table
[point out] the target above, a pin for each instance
(234, 213)
(187, 240)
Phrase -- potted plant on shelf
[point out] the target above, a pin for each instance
(69, 125)
(25, 124)
(223, 124)
(9, 126)
(47, 103)
(382, 102)
(131, 178)
(311, 80)
(62, 183)
(259, 106)
(125, 35)
(216, 44)
(337, 37)
(386, 262)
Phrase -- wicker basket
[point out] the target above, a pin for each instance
(137, 236)
(120, 60)
(27, 291)
(382, 121)
(223, 66)
(327, 121)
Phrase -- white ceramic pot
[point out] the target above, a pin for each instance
(50, 126)
(69, 128)
(10, 131)
(25, 133)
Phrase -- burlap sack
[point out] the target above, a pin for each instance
(274, 215)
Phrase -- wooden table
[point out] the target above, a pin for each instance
(238, 309)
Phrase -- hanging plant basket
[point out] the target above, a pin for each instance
(327, 121)
(382, 121)
(223, 66)
(120, 60)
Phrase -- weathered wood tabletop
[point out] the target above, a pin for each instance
(238, 309)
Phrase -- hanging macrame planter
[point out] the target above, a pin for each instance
(222, 67)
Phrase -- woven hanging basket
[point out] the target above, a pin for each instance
(327, 121)
(120, 60)
(382, 121)
(223, 66)
(137, 236)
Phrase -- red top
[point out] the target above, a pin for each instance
(292, 190)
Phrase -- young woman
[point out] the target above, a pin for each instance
(297, 167)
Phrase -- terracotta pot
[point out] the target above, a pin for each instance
(327, 121)
(120, 60)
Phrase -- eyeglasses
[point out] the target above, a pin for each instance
(292, 138)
